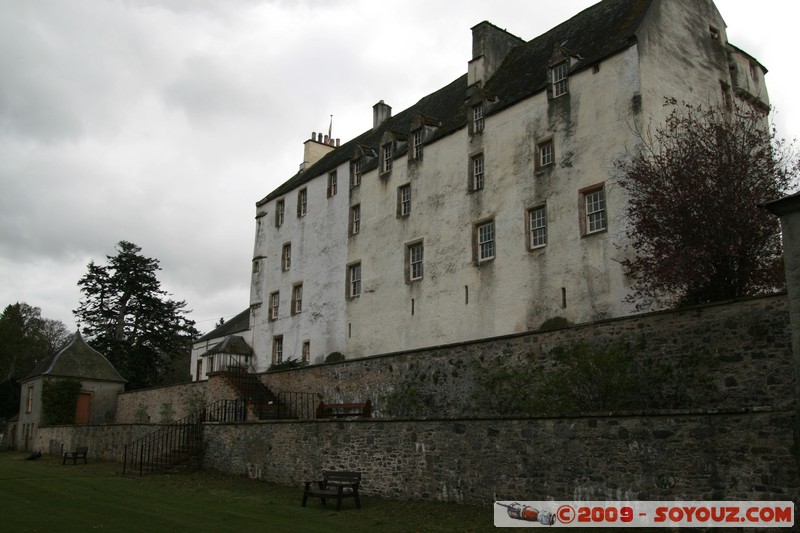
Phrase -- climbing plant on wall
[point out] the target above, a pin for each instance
(59, 401)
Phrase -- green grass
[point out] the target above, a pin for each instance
(45, 496)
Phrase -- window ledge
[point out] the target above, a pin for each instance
(598, 232)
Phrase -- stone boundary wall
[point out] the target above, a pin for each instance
(153, 404)
(105, 441)
(684, 456)
(731, 355)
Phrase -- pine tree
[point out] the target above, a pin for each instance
(126, 315)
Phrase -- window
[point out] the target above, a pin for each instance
(594, 206)
(754, 72)
(476, 171)
(306, 351)
(355, 219)
(416, 145)
(277, 349)
(29, 400)
(280, 211)
(559, 77)
(386, 158)
(302, 202)
(537, 227)
(415, 252)
(274, 303)
(404, 201)
(356, 168)
(286, 257)
(333, 184)
(297, 298)
(256, 265)
(485, 241)
(477, 118)
(726, 95)
(354, 280)
(544, 153)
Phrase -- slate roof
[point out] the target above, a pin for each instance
(237, 324)
(77, 360)
(592, 35)
(232, 344)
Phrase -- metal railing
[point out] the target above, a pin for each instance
(227, 411)
(164, 448)
(182, 442)
(224, 362)
(290, 405)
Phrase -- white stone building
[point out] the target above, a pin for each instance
(489, 206)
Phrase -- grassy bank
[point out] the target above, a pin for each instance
(45, 496)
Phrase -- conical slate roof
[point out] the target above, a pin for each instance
(77, 360)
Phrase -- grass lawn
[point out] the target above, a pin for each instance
(45, 496)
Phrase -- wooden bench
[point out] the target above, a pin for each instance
(79, 453)
(341, 410)
(334, 485)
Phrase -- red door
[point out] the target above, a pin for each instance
(83, 411)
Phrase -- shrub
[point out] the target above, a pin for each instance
(556, 322)
(334, 357)
(285, 365)
(589, 377)
(166, 414)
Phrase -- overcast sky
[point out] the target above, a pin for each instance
(162, 122)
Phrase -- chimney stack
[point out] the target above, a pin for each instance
(316, 148)
(490, 46)
(381, 112)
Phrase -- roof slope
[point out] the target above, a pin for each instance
(592, 35)
(232, 344)
(77, 360)
(237, 324)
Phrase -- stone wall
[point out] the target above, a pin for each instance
(105, 441)
(685, 456)
(157, 404)
(723, 356)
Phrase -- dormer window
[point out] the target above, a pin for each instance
(356, 169)
(477, 118)
(386, 158)
(416, 145)
(559, 77)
